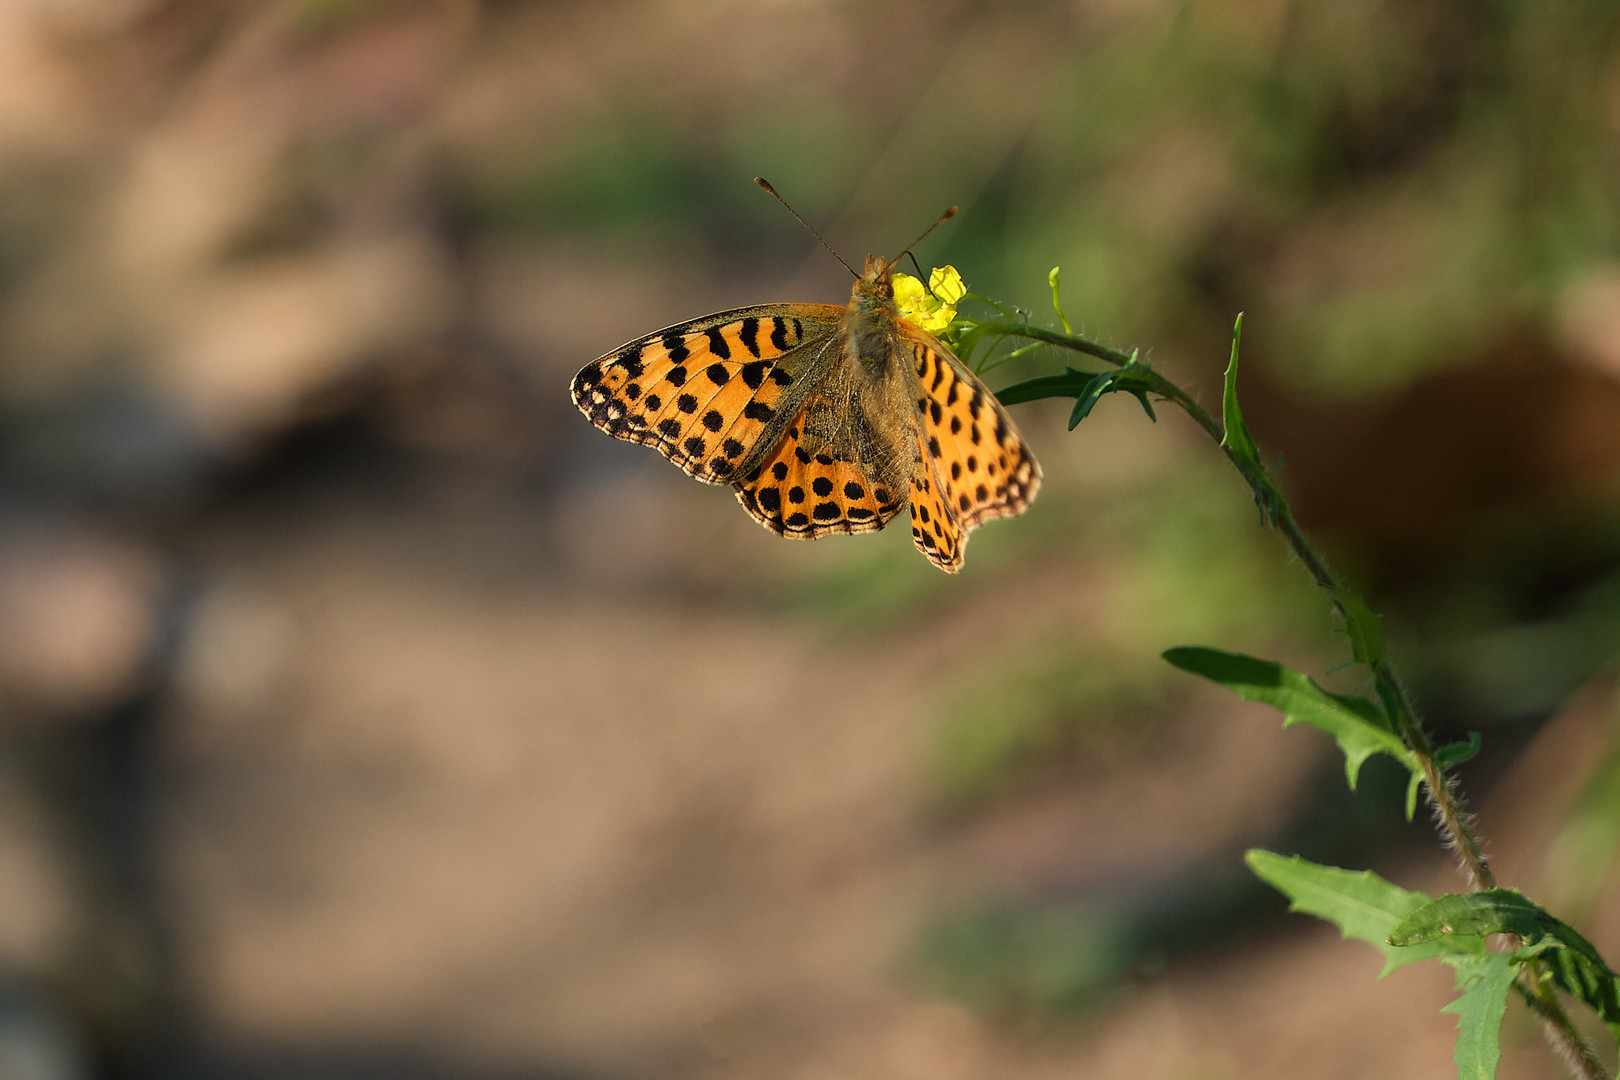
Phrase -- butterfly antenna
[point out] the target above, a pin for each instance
(950, 212)
(762, 182)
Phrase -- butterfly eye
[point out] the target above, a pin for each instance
(885, 290)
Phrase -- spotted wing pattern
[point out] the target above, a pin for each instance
(815, 439)
(702, 393)
(803, 495)
(973, 465)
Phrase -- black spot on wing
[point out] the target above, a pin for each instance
(676, 346)
(718, 345)
(630, 360)
(754, 374)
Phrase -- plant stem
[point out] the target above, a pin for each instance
(1453, 822)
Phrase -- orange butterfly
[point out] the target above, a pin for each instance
(823, 418)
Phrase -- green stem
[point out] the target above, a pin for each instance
(1451, 819)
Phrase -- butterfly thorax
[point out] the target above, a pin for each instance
(872, 316)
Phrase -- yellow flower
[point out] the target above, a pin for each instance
(932, 308)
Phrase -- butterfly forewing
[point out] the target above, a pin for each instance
(705, 393)
(934, 528)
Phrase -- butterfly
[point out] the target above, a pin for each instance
(825, 419)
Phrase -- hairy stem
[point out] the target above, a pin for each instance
(1451, 819)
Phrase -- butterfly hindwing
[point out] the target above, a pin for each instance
(805, 495)
(974, 465)
(703, 393)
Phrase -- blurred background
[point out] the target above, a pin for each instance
(364, 713)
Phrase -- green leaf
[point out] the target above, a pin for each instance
(1575, 965)
(1089, 396)
(1494, 911)
(1484, 981)
(1458, 752)
(1130, 379)
(1071, 383)
(1236, 439)
(1360, 903)
(1364, 628)
(1355, 722)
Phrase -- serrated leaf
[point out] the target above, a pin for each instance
(1484, 981)
(1360, 903)
(1576, 966)
(1355, 722)
(1236, 438)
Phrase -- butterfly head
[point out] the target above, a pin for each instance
(874, 290)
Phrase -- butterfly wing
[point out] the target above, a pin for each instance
(814, 483)
(973, 465)
(714, 393)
